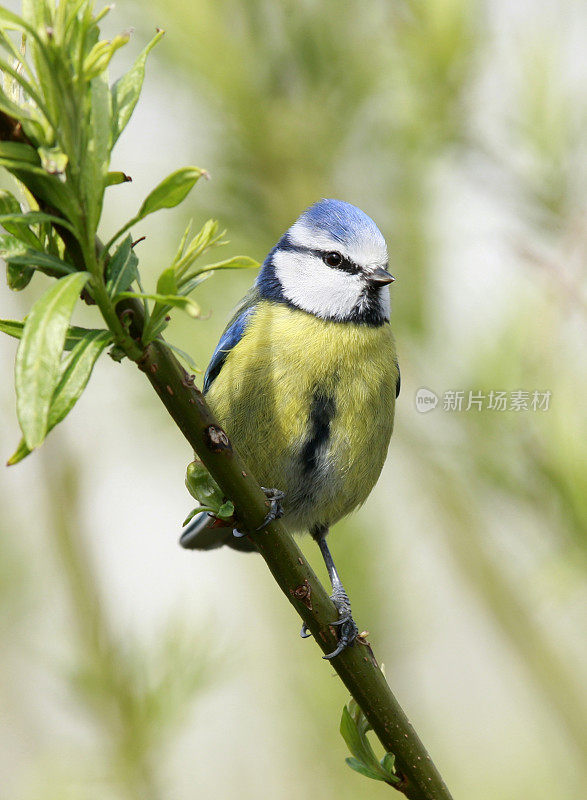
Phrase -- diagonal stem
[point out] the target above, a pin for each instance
(356, 666)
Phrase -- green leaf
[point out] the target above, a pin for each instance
(167, 283)
(11, 246)
(17, 276)
(114, 178)
(388, 764)
(202, 486)
(176, 301)
(237, 262)
(14, 328)
(226, 510)
(39, 353)
(101, 54)
(14, 22)
(207, 237)
(126, 90)
(355, 742)
(121, 270)
(97, 156)
(17, 151)
(50, 265)
(9, 205)
(12, 109)
(76, 370)
(353, 727)
(32, 218)
(363, 769)
(171, 191)
(191, 284)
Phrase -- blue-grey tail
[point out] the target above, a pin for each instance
(203, 533)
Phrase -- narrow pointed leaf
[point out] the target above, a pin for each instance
(176, 301)
(39, 353)
(101, 54)
(171, 191)
(75, 374)
(14, 328)
(122, 268)
(97, 157)
(191, 284)
(353, 738)
(17, 151)
(51, 265)
(237, 262)
(12, 21)
(167, 283)
(126, 90)
(32, 218)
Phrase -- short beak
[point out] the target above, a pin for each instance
(380, 277)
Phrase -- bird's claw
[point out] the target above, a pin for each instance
(347, 628)
(275, 509)
(305, 632)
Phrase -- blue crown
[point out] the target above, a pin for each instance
(343, 221)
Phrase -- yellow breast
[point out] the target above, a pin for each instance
(267, 388)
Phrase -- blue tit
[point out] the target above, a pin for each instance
(305, 377)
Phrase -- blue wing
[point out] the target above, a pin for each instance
(231, 337)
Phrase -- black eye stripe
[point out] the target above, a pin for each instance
(346, 264)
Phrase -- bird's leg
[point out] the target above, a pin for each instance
(347, 628)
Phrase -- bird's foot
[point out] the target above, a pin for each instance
(347, 628)
(275, 510)
(275, 496)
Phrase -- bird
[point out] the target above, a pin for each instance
(304, 380)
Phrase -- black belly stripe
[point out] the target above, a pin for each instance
(321, 413)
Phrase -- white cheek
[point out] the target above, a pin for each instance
(311, 285)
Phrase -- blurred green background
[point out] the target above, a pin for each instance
(132, 669)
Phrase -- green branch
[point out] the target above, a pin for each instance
(356, 666)
(65, 169)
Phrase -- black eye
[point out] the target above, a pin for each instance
(332, 259)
